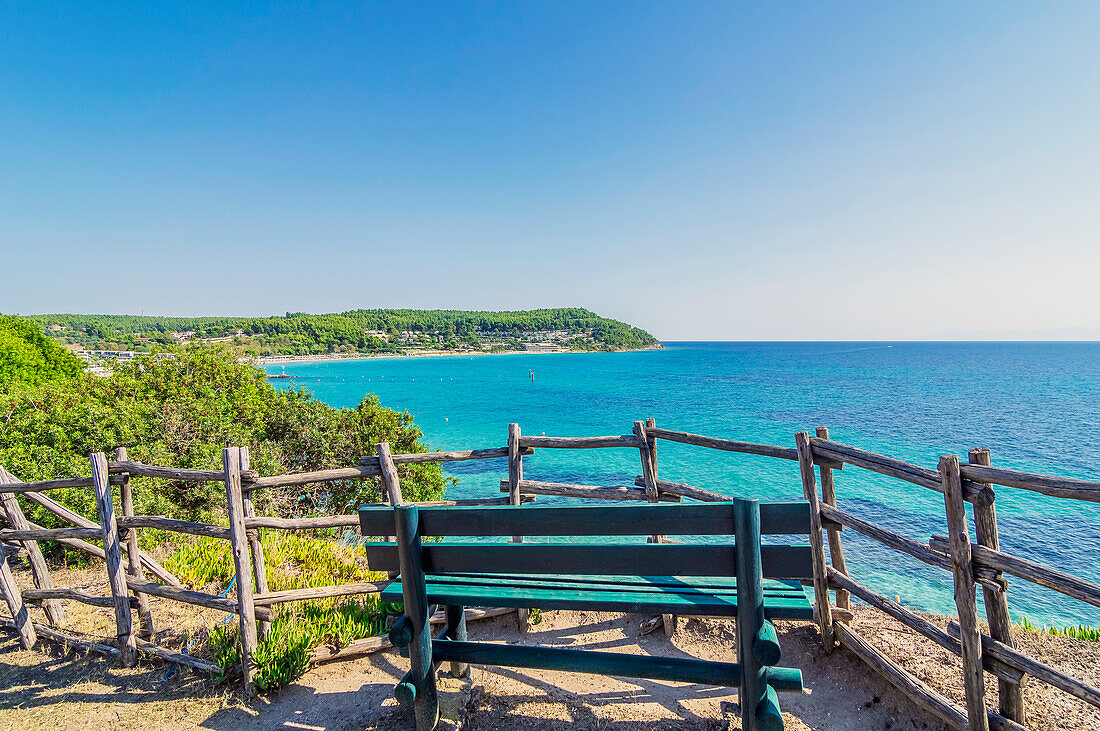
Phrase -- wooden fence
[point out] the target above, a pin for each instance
(981, 564)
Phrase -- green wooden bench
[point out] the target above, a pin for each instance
(744, 580)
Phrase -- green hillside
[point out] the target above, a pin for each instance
(355, 331)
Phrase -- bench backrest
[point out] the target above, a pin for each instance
(744, 520)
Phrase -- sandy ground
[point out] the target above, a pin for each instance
(77, 692)
(48, 689)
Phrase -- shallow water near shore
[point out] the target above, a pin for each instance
(1036, 406)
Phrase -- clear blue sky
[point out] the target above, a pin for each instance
(705, 170)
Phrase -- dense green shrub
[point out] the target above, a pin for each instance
(180, 410)
(28, 357)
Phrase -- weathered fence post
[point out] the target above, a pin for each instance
(651, 449)
(246, 609)
(817, 547)
(112, 556)
(456, 630)
(515, 469)
(55, 610)
(14, 599)
(1010, 695)
(836, 549)
(515, 476)
(254, 544)
(133, 556)
(391, 484)
(648, 473)
(965, 598)
(647, 450)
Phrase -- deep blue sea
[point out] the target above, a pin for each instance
(1035, 405)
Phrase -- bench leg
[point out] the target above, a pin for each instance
(759, 705)
(669, 621)
(456, 630)
(422, 669)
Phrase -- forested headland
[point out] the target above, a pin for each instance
(355, 331)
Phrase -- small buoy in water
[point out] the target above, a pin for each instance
(445, 419)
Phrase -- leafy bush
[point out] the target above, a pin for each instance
(1077, 632)
(28, 357)
(180, 410)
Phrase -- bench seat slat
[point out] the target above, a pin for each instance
(779, 562)
(782, 600)
(719, 583)
(670, 584)
(583, 520)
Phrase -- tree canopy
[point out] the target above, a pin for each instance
(355, 330)
(28, 357)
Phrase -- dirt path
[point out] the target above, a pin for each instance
(47, 691)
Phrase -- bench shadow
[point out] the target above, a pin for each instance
(63, 669)
(61, 677)
(309, 712)
(640, 690)
(576, 637)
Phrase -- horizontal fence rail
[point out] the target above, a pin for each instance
(43, 485)
(1036, 573)
(895, 468)
(458, 456)
(596, 492)
(727, 445)
(1063, 487)
(625, 440)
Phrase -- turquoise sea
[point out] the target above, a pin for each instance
(1035, 405)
